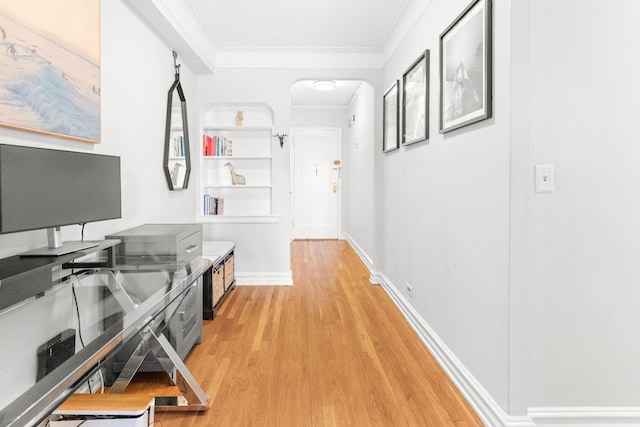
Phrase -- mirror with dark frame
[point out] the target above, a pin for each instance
(177, 158)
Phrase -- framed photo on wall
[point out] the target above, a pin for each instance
(465, 68)
(415, 101)
(390, 116)
(50, 67)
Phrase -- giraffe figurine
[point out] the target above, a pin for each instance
(236, 179)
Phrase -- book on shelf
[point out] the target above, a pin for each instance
(216, 146)
(213, 205)
(177, 146)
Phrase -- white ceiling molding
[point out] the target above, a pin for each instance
(402, 24)
(181, 29)
(297, 59)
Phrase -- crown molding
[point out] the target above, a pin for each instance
(401, 25)
(280, 58)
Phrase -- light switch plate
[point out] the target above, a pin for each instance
(544, 178)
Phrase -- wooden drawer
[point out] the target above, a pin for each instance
(228, 272)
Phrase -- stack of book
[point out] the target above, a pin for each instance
(213, 205)
(216, 146)
(177, 146)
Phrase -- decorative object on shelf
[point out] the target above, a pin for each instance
(47, 86)
(177, 174)
(465, 68)
(415, 102)
(390, 115)
(281, 137)
(239, 118)
(236, 179)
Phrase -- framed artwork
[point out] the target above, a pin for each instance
(465, 68)
(390, 116)
(415, 101)
(50, 67)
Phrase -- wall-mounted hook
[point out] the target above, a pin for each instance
(176, 66)
(281, 137)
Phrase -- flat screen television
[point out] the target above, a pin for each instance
(44, 189)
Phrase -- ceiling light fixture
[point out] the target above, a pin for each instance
(324, 85)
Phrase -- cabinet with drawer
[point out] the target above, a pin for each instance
(174, 243)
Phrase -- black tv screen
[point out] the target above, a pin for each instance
(45, 188)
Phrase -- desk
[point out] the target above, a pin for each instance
(107, 310)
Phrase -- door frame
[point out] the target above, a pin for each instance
(292, 175)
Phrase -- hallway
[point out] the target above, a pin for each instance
(332, 350)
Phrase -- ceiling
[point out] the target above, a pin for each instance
(303, 94)
(329, 25)
(298, 27)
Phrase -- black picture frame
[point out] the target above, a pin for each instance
(415, 101)
(391, 118)
(466, 68)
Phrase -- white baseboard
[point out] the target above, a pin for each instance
(582, 416)
(374, 278)
(489, 411)
(264, 279)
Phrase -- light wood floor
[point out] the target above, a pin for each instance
(332, 350)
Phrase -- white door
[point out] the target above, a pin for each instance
(317, 183)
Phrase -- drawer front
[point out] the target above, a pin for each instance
(228, 272)
(218, 285)
(190, 246)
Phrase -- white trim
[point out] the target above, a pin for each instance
(316, 106)
(579, 416)
(361, 253)
(298, 59)
(239, 219)
(264, 279)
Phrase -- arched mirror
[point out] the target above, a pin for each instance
(177, 158)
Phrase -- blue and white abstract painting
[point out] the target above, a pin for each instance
(50, 67)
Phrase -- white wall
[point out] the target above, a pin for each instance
(584, 244)
(360, 195)
(445, 213)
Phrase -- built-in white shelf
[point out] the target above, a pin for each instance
(248, 147)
